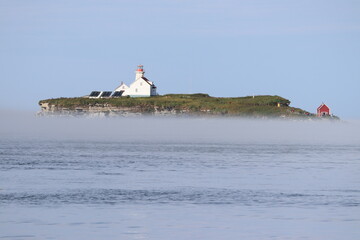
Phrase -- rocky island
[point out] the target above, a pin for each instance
(141, 98)
(175, 104)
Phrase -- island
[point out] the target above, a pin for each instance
(141, 98)
(200, 104)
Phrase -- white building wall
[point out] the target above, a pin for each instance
(139, 88)
(122, 87)
(139, 74)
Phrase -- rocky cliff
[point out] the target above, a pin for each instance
(173, 104)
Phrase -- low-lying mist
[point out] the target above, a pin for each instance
(21, 125)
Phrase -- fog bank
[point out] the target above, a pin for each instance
(24, 125)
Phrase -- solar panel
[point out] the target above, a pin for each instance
(94, 94)
(105, 94)
(117, 94)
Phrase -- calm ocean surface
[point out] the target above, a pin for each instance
(188, 188)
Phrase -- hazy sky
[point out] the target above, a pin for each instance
(307, 51)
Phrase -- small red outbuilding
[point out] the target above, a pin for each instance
(323, 110)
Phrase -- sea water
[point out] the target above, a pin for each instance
(178, 179)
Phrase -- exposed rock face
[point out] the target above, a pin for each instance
(104, 110)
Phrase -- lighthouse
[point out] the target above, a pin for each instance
(139, 73)
(141, 87)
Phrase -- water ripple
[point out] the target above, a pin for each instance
(184, 195)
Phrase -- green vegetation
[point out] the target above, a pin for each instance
(190, 103)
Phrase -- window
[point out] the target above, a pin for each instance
(135, 89)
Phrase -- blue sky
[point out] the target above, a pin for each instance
(307, 51)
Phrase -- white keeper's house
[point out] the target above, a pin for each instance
(141, 87)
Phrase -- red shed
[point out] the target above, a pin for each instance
(323, 110)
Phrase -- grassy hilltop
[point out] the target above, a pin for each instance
(270, 106)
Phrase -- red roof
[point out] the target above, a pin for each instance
(323, 108)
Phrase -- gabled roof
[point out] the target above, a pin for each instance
(122, 83)
(322, 106)
(149, 82)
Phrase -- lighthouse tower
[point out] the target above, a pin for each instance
(139, 73)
